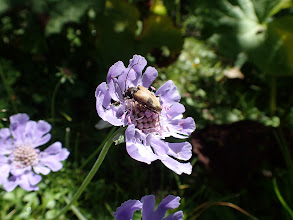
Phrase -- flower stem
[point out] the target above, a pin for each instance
(53, 102)
(281, 199)
(76, 211)
(91, 173)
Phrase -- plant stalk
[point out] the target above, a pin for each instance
(91, 174)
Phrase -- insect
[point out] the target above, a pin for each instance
(144, 97)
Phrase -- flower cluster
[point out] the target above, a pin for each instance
(126, 99)
(20, 159)
(147, 206)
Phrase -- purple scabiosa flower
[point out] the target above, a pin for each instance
(150, 117)
(147, 206)
(20, 160)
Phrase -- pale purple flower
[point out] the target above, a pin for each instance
(20, 160)
(147, 206)
(146, 127)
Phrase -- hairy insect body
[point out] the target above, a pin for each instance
(143, 96)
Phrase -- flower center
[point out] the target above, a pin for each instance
(25, 156)
(144, 119)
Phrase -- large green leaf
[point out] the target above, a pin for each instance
(247, 26)
(265, 9)
(276, 55)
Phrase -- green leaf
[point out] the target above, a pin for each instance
(64, 12)
(119, 138)
(4, 5)
(247, 26)
(275, 55)
(280, 36)
(30, 196)
(266, 9)
(159, 31)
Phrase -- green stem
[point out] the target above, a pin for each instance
(67, 137)
(76, 211)
(8, 89)
(284, 148)
(281, 199)
(91, 173)
(53, 102)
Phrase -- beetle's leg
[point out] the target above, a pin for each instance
(152, 89)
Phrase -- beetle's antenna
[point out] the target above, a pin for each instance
(128, 73)
(116, 83)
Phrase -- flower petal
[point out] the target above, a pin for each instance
(54, 148)
(33, 178)
(181, 151)
(4, 172)
(16, 171)
(175, 110)
(182, 127)
(176, 166)
(43, 127)
(28, 181)
(115, 70)
(63, 154)
(160, 147)
(41, 132)
(168, 93)
(4, 133)
(115, 92)
(11, 183)
(20, 118)
(105, 110)
(136, 149)
(170, 202)
(149, 76)
(51, 162)
(175, 216)
(57, 151)
(148, 207)
(6, 143)
(126, 210)
(137, 63)
(3, 159)
(41, 169)
(17, 125)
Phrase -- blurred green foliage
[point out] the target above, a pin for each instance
(231, 61)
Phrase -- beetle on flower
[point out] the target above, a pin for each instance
(20, 160)
(124, 100)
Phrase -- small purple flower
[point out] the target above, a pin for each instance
(20, 160)
(147, 206)
(147, 127)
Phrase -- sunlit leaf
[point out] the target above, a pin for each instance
(246, 26)
(280, 37)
